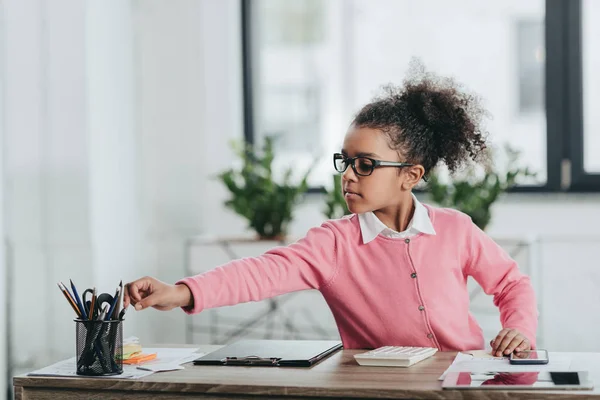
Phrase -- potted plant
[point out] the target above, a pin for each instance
(335, 205)
(476, 189)
(255, 195)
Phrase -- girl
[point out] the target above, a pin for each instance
(395, 271)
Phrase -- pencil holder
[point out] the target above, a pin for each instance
(99, 347)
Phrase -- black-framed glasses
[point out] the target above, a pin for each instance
(363, 166)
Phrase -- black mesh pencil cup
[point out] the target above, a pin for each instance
(99, 347)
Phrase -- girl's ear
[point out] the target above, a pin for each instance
(413, 176)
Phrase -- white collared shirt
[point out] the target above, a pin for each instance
(371, 226)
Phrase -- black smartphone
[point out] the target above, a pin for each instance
(529, 357)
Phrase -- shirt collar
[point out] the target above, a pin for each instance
(371, 226)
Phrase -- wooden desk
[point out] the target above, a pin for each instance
(336, 377)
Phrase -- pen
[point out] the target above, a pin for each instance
(92, 304)
(78, 300)
(119, 301)
(113, 305)
(69, 299)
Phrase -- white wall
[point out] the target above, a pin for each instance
(188, 67)
(108, 169)
(3, 270)
(112, 141)
(45, 171)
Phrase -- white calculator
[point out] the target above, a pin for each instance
(394, 356)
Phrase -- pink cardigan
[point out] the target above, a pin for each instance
(402, 292)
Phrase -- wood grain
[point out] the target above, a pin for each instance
(339, 376)
(18, 392)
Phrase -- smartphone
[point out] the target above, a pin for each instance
(529, 357)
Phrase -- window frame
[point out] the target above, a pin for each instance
(563, 98)
(580, 179)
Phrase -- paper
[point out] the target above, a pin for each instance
(166, 360)
(468, 363)
(68, 368)
(156, 366)
(482, 354)
(169, 359)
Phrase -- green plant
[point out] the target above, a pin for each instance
(255, 195)
(475, 190)
(335, 205)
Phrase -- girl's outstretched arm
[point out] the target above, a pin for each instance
(310, 263)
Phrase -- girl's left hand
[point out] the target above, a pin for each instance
(507, 341)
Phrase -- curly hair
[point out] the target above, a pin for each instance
(429, 119)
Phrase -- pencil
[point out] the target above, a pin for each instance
(78, 300)
(93, 304)
(69, 299)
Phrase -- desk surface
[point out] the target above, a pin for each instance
(336, 377)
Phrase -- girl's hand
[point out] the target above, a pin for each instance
(150, 292)
(507, 341)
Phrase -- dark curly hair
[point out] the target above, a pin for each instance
(428, 119)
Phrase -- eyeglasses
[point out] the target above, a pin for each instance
(363, 166)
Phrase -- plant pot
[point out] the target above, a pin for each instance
(277, 238)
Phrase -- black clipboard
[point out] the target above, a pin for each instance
(272, 353)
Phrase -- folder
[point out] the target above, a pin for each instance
(272, 353)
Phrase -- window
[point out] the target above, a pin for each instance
(290, 97)
(314, 63)
(591, 85)
(572, 92)
(531, 54)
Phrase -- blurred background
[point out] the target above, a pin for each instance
(117, 117)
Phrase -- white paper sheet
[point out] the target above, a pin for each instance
(467, 363)
(68, 368)
(166, 360)
(169, 359)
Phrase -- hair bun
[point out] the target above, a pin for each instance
(429, 119)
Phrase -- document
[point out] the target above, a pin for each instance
(481, 363)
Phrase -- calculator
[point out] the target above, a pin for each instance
(394, 356)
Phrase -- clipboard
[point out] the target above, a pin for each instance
(272, 353)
